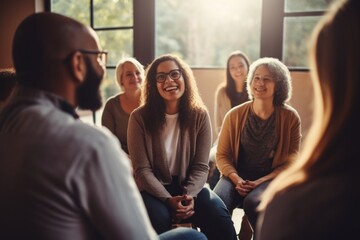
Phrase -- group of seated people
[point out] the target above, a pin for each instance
(146, 172)
(169, 139)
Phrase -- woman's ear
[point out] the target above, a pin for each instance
(78, 67)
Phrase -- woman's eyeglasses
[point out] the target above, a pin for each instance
(173, 74)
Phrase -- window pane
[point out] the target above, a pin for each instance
(118, 44)
(205, 32)
(306, 5)
(79, 10)
(109, 86)
(297, 31)
(113, 13)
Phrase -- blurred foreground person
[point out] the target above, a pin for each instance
(317, 198)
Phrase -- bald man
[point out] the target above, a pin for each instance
(60, 178)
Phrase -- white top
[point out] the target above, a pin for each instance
(170, 136)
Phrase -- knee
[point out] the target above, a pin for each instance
(226, 192)
(210, 203)
(158, 212)
(250, 203)
(161, 221)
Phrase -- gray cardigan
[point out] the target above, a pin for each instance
(151, 170)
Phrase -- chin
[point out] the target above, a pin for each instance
(90, 102)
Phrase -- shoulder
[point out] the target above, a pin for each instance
(140, 111)
(237, 114)
(240, 109)
(201, 112)
(321, 190)
(91, 137)
(113, 99)
(332, 202)
(138, 114)
(288, 111)
(221, 90)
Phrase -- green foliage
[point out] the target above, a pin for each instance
(202, 32)
(107, 14)
(79, 9)
(205, 32)
(113, 13)
(306, 5)
(297, 31)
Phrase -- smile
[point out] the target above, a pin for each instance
(171, 88)
(260, 89)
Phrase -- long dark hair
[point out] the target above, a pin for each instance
(230, 87)
(329, 147)
(154, 104)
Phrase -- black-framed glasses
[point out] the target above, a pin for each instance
(102, 55)
(173, 74)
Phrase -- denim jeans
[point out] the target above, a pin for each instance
(225, 189)
(182, 234)
(211, 215)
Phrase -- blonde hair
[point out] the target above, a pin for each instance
(119, 69)
(334, 58)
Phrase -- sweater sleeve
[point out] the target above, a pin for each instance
(290, 137)
(295, 136)
(225, 155)
(199, 164)
(140, 151)
(222, 106)
(107, 118)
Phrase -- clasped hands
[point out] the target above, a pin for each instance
(245, 186)
(182, 207)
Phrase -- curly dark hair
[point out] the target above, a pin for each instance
(154, 104)
(7, 82)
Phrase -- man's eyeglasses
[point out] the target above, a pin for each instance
(102, 55)
(173, 74)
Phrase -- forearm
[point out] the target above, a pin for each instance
(149, 183)
(271, 175)
(235, 178)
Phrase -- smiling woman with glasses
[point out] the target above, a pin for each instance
(173, 74)
(169, 140)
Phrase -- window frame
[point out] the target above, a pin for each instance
(271, 39)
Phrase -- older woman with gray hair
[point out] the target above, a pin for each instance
(258, 138)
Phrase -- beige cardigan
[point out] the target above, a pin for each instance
(287, 124)
(222, 106)
(151, 169)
